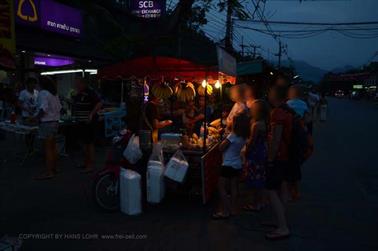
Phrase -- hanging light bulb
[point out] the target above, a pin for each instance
(204, 83)
(217, 84)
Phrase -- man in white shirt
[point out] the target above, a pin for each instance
(28, 99)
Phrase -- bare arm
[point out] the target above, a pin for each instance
(161, 124)
(254, 129)
(95, 110)
(224, 145)
(275, 142)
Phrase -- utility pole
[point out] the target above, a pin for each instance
(228, 36)
(242, 46)
(279, 54)
(255, 47)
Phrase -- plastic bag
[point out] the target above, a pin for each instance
(177, 167)
(157, 153)
(132, 152)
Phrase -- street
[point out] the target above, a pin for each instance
(338, 209)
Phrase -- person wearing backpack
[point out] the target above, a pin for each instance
(279, 139)
(301, 145)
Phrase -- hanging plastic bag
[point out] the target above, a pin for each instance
(155, 175)
(132, 152)
(177, 167)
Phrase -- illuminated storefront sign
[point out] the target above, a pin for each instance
(148, 8)
(7, 34)
(52, 61)
(49, 15)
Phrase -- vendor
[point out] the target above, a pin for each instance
(191, 118)
(151, 118)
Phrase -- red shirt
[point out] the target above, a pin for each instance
(279, 116)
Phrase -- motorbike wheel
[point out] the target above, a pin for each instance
(106, 192)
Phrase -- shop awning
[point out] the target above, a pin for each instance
(160, 66)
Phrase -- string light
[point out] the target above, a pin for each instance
(217, 84)
(204, 83)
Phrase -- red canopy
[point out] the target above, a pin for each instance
(157, 67)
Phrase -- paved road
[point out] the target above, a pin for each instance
(338, 211)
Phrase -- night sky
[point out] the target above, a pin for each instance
(328, 50)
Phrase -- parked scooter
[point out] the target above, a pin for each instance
(106, 183)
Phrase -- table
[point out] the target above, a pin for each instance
(24, 131)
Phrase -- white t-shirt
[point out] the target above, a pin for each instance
(29, 102)
(236, 109)
(232, 155)
(51, 106)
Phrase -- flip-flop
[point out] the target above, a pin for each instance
(44, 177)
(251, 208)
(274, 236)
(219, 216)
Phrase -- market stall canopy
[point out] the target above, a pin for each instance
(159, 66)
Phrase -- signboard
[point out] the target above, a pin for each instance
(52, 61)
(148, 8)
(49, 15)
(7, 34)
(226, 62)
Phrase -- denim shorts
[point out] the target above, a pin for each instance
(48, 129)
(229, 172)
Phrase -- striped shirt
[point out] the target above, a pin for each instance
(83, 104)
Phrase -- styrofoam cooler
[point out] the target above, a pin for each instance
(323, 112)
(155, 181)
(130, 192)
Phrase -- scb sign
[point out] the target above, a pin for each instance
(146, 4)
(147, 8)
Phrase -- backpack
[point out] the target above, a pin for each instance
(301, 145)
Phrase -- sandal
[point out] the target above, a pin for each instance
(220, 216)
(251, 208)
(44, 177)
(277, 235)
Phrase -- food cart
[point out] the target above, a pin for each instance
(166, 77)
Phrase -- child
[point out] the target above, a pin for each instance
(256, 155)
(232, 165)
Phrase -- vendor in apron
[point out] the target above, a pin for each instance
(151, 118)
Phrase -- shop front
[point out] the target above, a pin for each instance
(51, 40)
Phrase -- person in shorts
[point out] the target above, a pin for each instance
(279, 138)
(85, 105)
(48, 106)
(232, 165)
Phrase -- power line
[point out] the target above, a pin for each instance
(305, 23)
